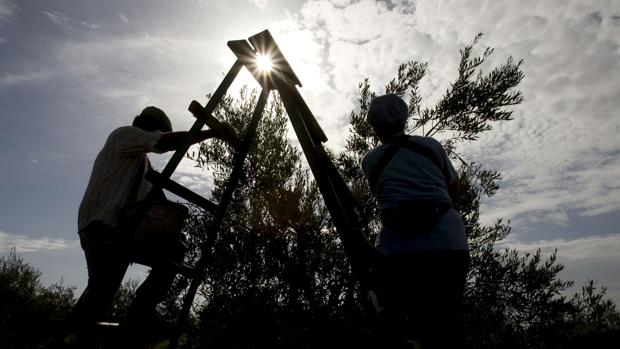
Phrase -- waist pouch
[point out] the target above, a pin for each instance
(414, 216)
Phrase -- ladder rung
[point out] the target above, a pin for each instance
(199, 112)
(107, 324)
(174, 187)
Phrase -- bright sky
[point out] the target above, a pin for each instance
(72, 71)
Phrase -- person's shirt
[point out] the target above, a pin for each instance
(114, 173)
(412, 176)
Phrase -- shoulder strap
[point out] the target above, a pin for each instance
(402, 142)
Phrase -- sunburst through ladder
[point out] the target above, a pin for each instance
(337, 196)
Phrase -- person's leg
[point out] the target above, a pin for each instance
(397, 293)
(441, 303)
(456, 277)
(155, 287)
(151, 292)
(106, 269)
(143, 324)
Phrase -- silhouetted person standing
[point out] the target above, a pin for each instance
(121, 161)
(425, 252)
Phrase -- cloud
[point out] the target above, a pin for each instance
(70, 24)
(187, 174)
(7, 10)
(561, 151)
(592, 257)
(23, 243)
(27, 77)
(261, 4)
(123, 18)
(583, 249)
(135, 70)
(203, 3)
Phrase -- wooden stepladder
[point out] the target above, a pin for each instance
(336, 194)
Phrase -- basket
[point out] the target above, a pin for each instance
(154, 230)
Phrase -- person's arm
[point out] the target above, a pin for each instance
(174, 140)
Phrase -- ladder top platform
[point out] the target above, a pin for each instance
(263, 44)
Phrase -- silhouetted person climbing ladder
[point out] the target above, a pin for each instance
(118, 177)
(424, 250)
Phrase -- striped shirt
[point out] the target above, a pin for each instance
(113, 175)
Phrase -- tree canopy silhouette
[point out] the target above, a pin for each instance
(28, 307)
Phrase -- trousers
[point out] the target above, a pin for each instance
(107, 263)
(422, 296)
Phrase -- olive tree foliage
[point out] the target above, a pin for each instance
(277, 273)
(29, 309)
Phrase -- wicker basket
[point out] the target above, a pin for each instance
(155, 229)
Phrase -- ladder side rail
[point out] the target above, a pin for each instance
(317, 155)
(206, 249)
(237, 170)
(342, 189)
(334, 191)
(361, 253)
(200, 122)
(311, 123)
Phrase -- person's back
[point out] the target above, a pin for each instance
(113, 173)
(422, 240)
(411, 176)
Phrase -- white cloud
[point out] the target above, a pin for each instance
(261, 4)
(7, 10)
(187, 174)
(141, 69)
(592, 257)
(71, 24)
(561, 152)
(23, 243)
(123, 18)
(586, 248)
(203, 3)
(27, 77)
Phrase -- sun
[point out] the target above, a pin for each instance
(263, 62)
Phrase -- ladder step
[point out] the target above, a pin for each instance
(105, 324)
(108, 329)
(174, 187)
(199, 112)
